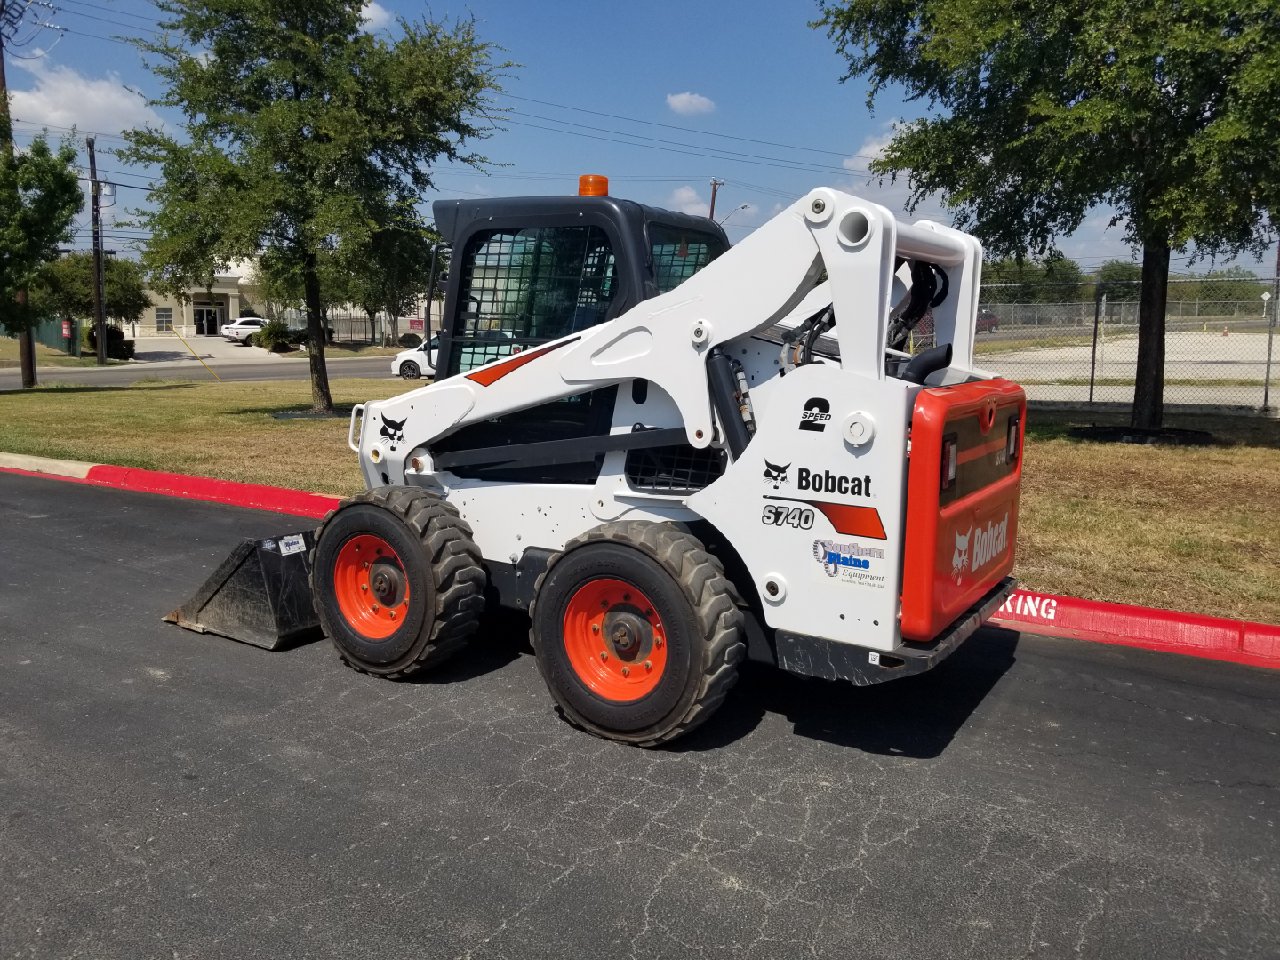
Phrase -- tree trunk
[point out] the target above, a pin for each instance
(321, 398)
(1148, 390)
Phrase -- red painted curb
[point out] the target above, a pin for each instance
(255, 496)
(1168, 631)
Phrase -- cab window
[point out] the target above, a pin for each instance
(677, 254)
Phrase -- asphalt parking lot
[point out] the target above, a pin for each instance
(164, 794)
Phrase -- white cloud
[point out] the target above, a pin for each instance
(374, 16)
(686, 200)
(64, 97)
(689, 104)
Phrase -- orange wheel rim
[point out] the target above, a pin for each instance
(614, 639)
(371, 587)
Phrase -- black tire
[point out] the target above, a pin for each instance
(410, 370)
(691, 598)
(441, 570)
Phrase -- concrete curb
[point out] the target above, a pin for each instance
(1167, 631)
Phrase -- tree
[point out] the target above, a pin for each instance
(303, 135)
(1024, 279)
(1120, 281)
(392, 272)
(39, 199)
(1165, 112)
(64, 288)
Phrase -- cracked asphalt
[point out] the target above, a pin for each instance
(164, 794)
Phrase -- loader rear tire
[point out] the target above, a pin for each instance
(636, 632)
(397, 581)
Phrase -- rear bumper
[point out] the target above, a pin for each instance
(818, 657)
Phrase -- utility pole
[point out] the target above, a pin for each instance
(99, 315)
(10, 17)
(715, 185)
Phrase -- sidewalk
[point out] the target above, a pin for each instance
(218, 349)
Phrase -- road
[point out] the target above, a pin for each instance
(117, 375)
(169, 795)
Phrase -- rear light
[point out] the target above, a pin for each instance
(950, 454)
(1011, 442)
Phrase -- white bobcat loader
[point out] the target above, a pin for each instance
(676, 456)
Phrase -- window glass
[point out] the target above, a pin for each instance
(521, 287)
(678, 253)
(164, 319)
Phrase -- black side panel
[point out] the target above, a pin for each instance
(513, 583)
(586, 415)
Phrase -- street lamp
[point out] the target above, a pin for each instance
(742, 206)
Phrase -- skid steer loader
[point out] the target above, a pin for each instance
(675, 456)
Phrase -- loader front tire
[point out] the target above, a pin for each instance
(636, 632)
(397, 581)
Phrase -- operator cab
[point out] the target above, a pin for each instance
(527, 270)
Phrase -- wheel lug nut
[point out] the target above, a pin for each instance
(392, 614)
(595, 628)
(648, 664)
(604, 655)
(374, 608)
(626, 671)
(364, 586)
(657, 641)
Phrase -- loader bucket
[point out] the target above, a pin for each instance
(261, 594)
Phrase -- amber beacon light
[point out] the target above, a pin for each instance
(593, 185)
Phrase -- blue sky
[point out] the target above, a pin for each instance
(659, 96)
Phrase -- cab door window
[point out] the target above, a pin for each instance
(521, 287)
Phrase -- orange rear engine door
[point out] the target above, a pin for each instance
(962, 500)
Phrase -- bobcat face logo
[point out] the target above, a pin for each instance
(774, 474)
(960, 559)
(392, 432)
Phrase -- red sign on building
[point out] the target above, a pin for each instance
(415, 323)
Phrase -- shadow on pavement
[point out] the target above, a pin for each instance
(913, 717)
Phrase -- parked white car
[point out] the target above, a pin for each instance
(240, 330)
(416, 362)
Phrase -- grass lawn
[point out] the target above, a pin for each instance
(45, 356)
(1187, 528)
(335, 351)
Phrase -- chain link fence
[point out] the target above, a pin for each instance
(1084, 349)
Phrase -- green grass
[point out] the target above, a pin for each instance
(45, 357)
(1188, 528)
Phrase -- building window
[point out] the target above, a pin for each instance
(164, 320)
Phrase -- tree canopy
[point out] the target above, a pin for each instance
(39, 199)
(64, 288)
(303, 135)
(1038, 112)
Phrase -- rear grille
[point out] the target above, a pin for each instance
(676, 469)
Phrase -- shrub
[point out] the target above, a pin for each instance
(275, 336)
(410, 340)
(118, 348)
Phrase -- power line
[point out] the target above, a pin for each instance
(90, 16)
(80, 33)
(110, 9)
(704, 154)
(670, 126)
